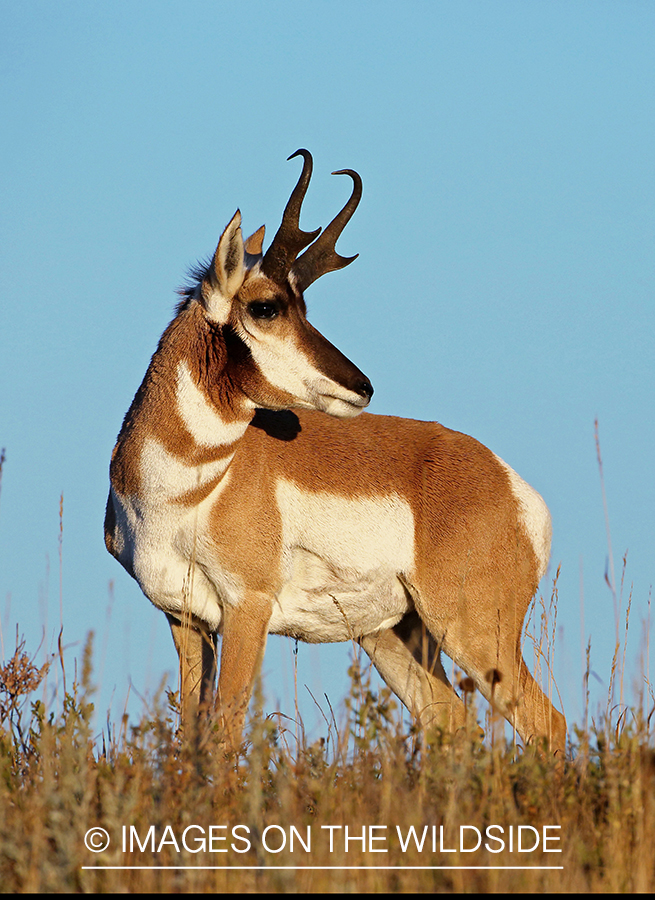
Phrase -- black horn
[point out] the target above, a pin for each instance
(322, 257)
(290, 240)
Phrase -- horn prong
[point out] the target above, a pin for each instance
(321, 257)
(290, 239)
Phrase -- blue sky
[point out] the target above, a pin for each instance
(504, 285)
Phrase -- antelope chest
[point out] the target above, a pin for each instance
(162, 546)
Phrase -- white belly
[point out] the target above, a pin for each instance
(318, 607)
(342, 560)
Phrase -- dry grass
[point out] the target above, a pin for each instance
(58, 780)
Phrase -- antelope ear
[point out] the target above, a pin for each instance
(226, 272)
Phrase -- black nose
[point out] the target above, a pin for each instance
(364, 388)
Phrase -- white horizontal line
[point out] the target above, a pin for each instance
(324, 868)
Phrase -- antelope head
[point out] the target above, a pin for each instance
(274, 356)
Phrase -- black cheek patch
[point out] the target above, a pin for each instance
(237, 350)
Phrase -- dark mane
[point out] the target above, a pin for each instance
(194, 278)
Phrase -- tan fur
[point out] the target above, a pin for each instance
(202, 513)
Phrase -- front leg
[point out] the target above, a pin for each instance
(245, 628)
(196, 648)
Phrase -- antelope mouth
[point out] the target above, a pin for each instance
(340, 401)
(342, 406)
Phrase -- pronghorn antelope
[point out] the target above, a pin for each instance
(242, 518)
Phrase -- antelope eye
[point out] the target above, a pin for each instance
(261, 309)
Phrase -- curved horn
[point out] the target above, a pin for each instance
(290, 240)
(322, 257)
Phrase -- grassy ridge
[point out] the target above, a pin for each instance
(57, 781)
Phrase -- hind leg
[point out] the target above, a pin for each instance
(485, 642)
(407, 658)
(520, 699)
(532, 712)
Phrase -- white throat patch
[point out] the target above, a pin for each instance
(204, 422)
